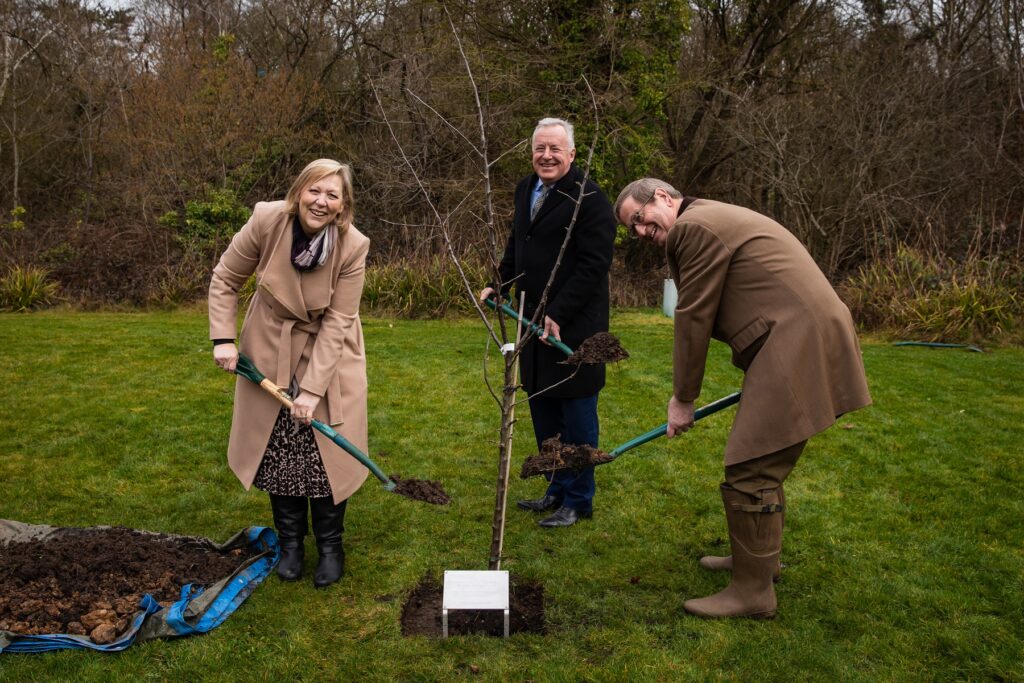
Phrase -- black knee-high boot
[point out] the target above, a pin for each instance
(328, 527)
(290, 522)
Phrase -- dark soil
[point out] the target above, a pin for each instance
(555, 455)
(603, 347)
(90, 581)
(421, 489)
(421, 613)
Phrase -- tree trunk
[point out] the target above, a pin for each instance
(508, 408)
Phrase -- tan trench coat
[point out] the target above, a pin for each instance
(301, 324)
(740, 276)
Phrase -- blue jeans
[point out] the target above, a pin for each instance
(576, 420)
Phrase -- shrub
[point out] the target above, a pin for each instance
(24, 289)
(938, 299)
(208, 223)
(430, 288)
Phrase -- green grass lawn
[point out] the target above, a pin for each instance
(903, 543)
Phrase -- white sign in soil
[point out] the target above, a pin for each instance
(474, 590)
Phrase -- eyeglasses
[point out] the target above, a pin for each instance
(638, 217)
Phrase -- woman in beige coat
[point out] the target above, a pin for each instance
(302, 330)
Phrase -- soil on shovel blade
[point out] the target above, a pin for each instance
(90, 581)
(602, 347)
(421, 489)
(555, 455)
(421, 613)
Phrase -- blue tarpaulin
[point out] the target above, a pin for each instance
(197, 610)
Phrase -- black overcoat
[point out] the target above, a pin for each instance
(578, 299)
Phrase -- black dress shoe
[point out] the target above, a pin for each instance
(564, 517)
(539, 504)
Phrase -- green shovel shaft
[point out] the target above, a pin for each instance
(661, 430)
(536, 328)
(246, 368)
(354, 451)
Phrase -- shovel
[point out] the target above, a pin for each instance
(535, 328)
(575, 457)
(407, 487)
(612, 350)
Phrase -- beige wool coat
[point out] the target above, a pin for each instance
(298, 324)
(740, 277)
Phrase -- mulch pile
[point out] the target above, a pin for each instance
(603, 347)
(90, 581)
(421, 613)
(421, 489)
(555, 455)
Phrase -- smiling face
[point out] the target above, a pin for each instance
(652, 219)
(552, 155)
(320, 204)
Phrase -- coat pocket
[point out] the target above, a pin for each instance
(748, 335)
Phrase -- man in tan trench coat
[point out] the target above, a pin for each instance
(747, 281)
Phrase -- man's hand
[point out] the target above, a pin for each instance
(551, 329)
(226, 356)
(486, 293)
(680, 416)
(303, 407)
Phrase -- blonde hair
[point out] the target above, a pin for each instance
(316, 171)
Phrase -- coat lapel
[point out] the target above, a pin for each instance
(279, 278)
(563, 189)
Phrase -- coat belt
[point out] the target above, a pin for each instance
(288, 355)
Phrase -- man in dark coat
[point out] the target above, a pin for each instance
(561, 402)
(747, 281)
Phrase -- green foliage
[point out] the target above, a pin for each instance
(210, 222)
(223, 45)
(428, 288)
(17, 222)
(60, 254)
(26, 289)
(627, 51)
(902, 549)
(939, 299)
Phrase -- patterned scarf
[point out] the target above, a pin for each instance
(309, 253)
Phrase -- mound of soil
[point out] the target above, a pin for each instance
(555, 455)
(602, 347)
(421, 613)
(90, 581)
(421, 489)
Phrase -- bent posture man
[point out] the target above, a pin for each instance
(747, 281)
(577, 306)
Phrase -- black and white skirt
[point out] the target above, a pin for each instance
(291, 465)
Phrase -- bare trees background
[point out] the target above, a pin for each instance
(133, 138)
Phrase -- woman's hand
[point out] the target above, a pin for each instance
(303, 407)
(226, 356)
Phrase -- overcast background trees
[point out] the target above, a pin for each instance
(135, 137)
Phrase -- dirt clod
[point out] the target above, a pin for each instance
(104, 634)
(602, 347)
(421, 613)
(421, 489)
(555, 455)
(89, 581)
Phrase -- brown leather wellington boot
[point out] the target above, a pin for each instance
(755, 532)
(723, 563)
